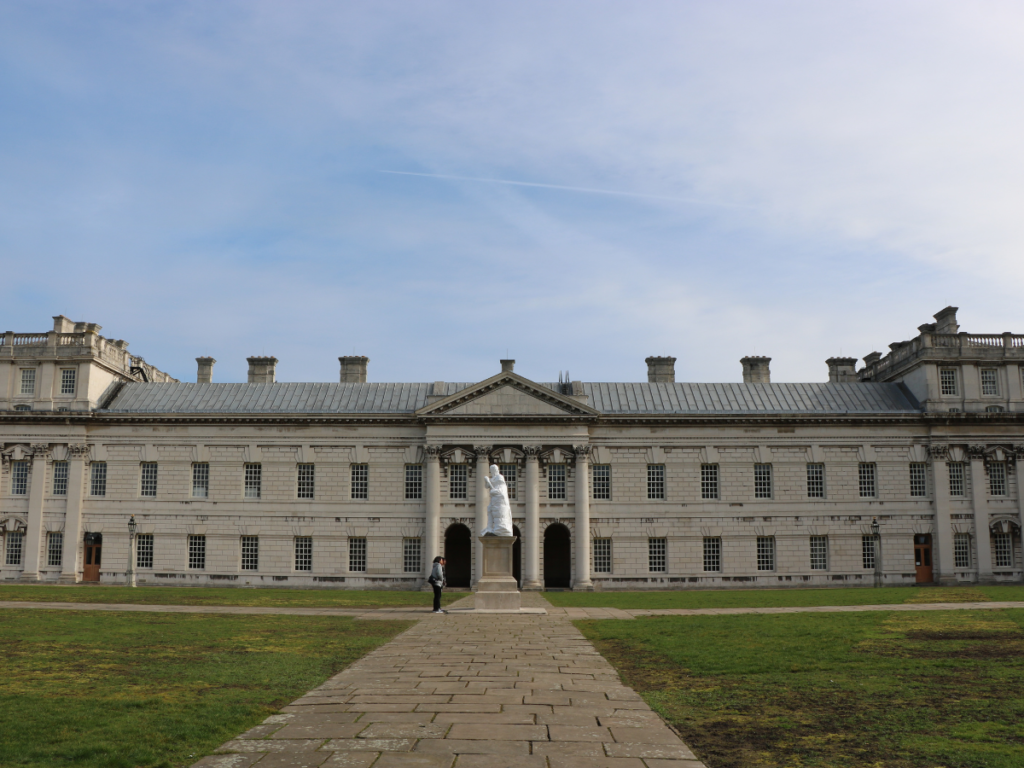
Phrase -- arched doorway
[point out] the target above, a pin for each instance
(517, 556)
(458, 551)
(557, 557)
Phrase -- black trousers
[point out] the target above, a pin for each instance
(437, 597)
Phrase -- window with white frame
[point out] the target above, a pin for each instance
(815, 481)
(766, 553)
(144, 550)
(147, 485)
(15, 547)
(657, 561)
(197, 552)
(602, 556)
(67, 381)
(556, 481)
(357, 555)
(98, 478)
(253, 481)
(305, 486)
(1003, 546)
(989, 381)
(413, 481)
(60, 478)
(412, 555)
(360, 481)
(601, 488)
(997, 478)
(201, 480)
(866, 480)
(511, 474)
(762, 481)
(819, 553)
(303, 553)
(655, 481)
(918, 479)
(28, 381)
(458, 481)
(956, 478)
(19, 478)
(712, 554)
(709, 481)
(55, 549)
(250, 553)
(867, 552)
(962, 550)
(947, 381)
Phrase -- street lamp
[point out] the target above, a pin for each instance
(877, 541)
(132, 527)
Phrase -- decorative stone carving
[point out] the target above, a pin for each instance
(582, 452)
(938, 451)
(976, 452)
(482, 451)
(533, 451)
(79, 451)
(499, 512)
(41, 449)
(433, 452)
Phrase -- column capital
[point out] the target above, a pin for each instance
(532, 452)
(582, 452)
(1017, 452)
(79, 451)
(938, 452)
(482, 451)
(40, 450)
(432, 452)
(976, 452)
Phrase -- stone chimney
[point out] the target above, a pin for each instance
(661, 370)
(353, 369)
(842, 370)
(62, 325)
(262, 370)
(507, 366)
(756, 371)
(945, 320)
(205, 373)
(872, 358)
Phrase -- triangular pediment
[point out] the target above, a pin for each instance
(507, 394)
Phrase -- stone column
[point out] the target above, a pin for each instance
(1018, 456)
(942, 553)
(34, 534)
(432, 497)
(77, 456)
(531, 543)
(483, 496)
(982, 537)
(583, 582)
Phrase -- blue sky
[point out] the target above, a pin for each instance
(705, 180)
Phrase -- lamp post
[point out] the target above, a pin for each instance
(877, 541)
(132, 527)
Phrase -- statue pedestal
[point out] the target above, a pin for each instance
(497, 589)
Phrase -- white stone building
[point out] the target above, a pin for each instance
(649, 485)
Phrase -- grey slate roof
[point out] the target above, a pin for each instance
(624, 398)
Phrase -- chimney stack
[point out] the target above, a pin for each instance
(661, 370)
(262, 370)
(205, 372)
(945, 320)
(842, 370)
(353, 369)
(507, 366)
(756, 371)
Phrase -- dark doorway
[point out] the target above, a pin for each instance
(458, 551)
(93, 554)
(923, 557)
(517, 557)
(557, 557)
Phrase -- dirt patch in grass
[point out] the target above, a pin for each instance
(948, 595)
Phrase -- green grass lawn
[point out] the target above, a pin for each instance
(139, 690)
(853, 690)
(291, 598)
(764, 598)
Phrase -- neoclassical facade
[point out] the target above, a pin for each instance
(904, 471)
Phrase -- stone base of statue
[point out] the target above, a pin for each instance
(497, 589)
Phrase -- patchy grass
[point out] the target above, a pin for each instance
(783, 598)
(850, 690)
(284, 598)
(147, 690)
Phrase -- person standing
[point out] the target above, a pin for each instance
(437, 581)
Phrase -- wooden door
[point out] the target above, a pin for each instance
(458, 552)
(557, 557)
(93, 556)
(923, 557)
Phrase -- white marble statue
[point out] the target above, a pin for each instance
(499, 513)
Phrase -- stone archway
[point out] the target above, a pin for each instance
(458, 552)
(557, 557)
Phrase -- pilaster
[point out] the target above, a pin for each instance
(432, 496)
(34, 532)
(944, 562)
(531, 544)
(982, 536)
(482, 497)
(582, 582)
(77, 461)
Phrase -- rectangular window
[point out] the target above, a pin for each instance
(815, 481)
(411, 555)
(303, 553)
(458, 482)
(762, 481)
(947, 381)
(956, 478)
(98, 479)
(867, 552)
(766, 553)
(962, 550)
(197, 552)
(28, 381)
(655, 481)
(15, 545)
(511, 474)
(60, 478)
(54, 549)
(866, 478)
(253, 481)
(709, 481)
(19, 478)
(819, 553)
(306, 483)
(656, 559)
(602, 485)
(67, 381)
(997, 478)
(357, 555)
(602, 555)
(200, 480)
(360, 481)
(1004, 550)
(989, 382)
(556, 481)
(148, 484)
(250, 553)
(918, 479)
(144, 550)
(712, 554)
(414, 481)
